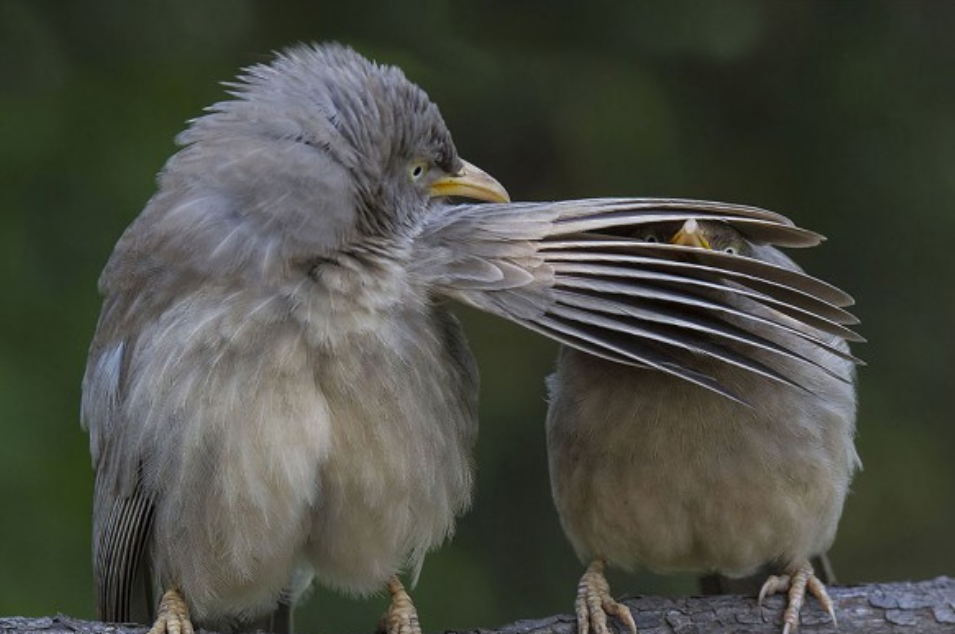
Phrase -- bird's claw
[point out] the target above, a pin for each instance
(402, 617)
(799, 578)
(594, 603)
(172, 616)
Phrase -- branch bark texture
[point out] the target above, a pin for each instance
(926, 607)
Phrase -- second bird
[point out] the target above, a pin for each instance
(650, 470)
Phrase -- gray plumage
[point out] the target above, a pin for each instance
(274, 391)
(652, 471)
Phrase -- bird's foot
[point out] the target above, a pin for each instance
(800, 577)
(402, 617)
(172, 616)
(594, 603)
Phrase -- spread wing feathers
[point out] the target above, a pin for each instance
(576, 272)
(573, 271)
(593, 294)
(604, 314)
(798, 286)
(620, 349)
(756, 224)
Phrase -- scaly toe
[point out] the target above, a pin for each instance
(622, 612)
(799, 578)
(772, 585)
(402, 617)
(818, 590)
(172, 616)
(594, 603)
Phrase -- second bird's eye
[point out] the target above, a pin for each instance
(650, 238)
(731, 250)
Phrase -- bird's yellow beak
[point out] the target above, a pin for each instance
(691, 235)
(470, 182)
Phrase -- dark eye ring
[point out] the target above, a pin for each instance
(650, 238)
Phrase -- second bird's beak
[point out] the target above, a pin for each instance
(470, 182)
(691, 235)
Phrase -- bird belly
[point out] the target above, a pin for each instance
(384, 505)
(235, 464)
(706, 517)
(398, 470)
(281, 460)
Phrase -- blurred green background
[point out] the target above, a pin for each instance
(839, 114)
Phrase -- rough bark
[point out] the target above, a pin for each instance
(925, 607)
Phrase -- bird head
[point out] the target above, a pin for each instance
(702, 234)
(317, 151)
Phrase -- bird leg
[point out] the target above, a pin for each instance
(402, 617)
(172, 616)
(594, 603)
(796, 580)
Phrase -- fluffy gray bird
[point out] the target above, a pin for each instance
(274, 392)
(650, 470)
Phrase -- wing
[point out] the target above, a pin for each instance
(571, 271)
(122, 513)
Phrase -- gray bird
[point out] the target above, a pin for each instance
(275, 392)
(653, 471)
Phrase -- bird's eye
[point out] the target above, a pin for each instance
(650, 238)
(731, 250)
(417, 170)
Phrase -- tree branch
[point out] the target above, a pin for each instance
(925, 607)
